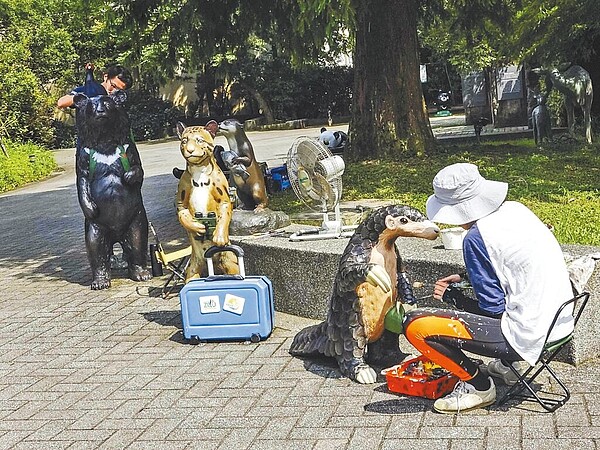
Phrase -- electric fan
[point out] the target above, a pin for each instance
(316, 177)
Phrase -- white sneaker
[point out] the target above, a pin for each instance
(465, 397)
(496, 369)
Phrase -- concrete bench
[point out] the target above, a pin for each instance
(302, 274)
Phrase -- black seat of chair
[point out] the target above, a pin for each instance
(524, 389)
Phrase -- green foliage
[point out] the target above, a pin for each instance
(301, 93)
(287, 92)
(24, 106)
(25, 163)
(478, 34)
(559, 184)
(551, 31)
(165, 36)
(323, 88)
(64, 135)
(151, 117)
(32, 54)
(470, 35)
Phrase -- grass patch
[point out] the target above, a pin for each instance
(25, 163)
(560, 184)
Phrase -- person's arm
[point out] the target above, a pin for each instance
(65, 101)
(482, 276)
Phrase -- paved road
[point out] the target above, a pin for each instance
(109, 369)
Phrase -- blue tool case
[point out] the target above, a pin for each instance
(227, 307)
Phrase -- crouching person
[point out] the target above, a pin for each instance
(517, 271)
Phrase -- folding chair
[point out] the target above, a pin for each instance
(523, 388)
(176, 262)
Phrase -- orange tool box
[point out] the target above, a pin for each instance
(420, 377)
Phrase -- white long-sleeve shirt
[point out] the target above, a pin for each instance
(524, 273)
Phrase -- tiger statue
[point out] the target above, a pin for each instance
(204, 207)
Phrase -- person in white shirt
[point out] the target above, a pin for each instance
(518, 273)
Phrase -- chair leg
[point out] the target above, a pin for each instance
(523, 389)
(176, 271)
(165, 291)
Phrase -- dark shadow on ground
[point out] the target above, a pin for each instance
(43, 232)
(321, 366)
(400, 405)
(171, 319)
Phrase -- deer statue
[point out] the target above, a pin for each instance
(576, 85)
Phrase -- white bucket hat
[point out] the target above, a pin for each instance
(461, 195)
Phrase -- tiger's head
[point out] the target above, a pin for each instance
(197, 142)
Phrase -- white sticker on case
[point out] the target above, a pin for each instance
(234, 304)
(210, 304)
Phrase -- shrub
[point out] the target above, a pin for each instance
(64, 134)
(25, 108)
(25, 163)
(151, 117)
(309, 92)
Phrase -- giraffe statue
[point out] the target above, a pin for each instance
(576, 85)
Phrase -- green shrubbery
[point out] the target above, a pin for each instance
(25, 163)
(64, 135)
(151, 117)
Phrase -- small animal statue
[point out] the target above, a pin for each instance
(335, 141)
(204, 208)
(478, 126)
(576, 85)
(371, 278)
(251, 191)
(541, 121)
(109, 181)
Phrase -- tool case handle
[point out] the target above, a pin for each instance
(212, 251)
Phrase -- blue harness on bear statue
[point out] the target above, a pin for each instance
(96, 157)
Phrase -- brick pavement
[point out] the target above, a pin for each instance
(109, 369)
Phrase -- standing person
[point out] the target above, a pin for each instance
(519, 277)
(114, 77)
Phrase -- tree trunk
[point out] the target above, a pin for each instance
(389, 118)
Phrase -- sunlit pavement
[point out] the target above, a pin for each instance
(109, 369)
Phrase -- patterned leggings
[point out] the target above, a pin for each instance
(442, 334)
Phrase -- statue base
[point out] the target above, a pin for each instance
(245, 223)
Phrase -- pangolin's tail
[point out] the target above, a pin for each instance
(310, 341)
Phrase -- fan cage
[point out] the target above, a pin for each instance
(313, 157)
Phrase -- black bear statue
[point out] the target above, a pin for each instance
(109, 181)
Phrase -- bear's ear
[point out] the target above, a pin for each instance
(180, 127)
(79, 99)
(119, 97)
(212, 127)
(323, 129)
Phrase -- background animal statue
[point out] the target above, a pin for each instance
(576, 85)
(541, 121)
(109, 181)
(478, 126)
(251, 190)
(335, 141)
(204, 208)
(370, 280)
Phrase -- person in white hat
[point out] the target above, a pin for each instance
(518, 274)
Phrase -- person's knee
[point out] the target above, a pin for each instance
(415, 326)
